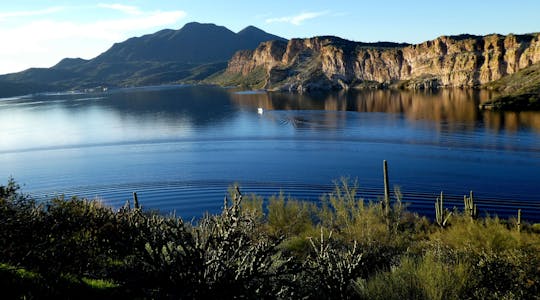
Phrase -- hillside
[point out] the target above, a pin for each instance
(520, 90)
(191, 53)
(194, 43)
(332, 63)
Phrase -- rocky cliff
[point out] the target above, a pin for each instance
(330, 62)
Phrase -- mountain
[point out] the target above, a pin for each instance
(329, 62)
(68, 63)
(194, 43)
(193, 52)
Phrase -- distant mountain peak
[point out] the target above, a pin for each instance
(254, 32)
(192, 52)
(193, 43)
(250, 28)
(191, 25)
(69, 63)
(200, 30)
(202, 26)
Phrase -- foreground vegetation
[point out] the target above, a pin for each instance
(341, 248)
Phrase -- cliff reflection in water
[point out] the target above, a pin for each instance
(449, 109)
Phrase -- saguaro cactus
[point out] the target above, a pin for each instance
(441, 214)
(135, 201)
(470, 207)
(386, 203)
(518, 224)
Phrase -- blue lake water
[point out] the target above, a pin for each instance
(181, 147)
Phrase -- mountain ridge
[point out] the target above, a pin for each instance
(257, 59)
(166, 56)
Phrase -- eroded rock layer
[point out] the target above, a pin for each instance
(330, 62)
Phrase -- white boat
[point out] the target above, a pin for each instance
(260, 110)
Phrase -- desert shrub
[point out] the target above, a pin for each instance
(332, 266)
(486, 234)
(418, 278)
(442, 280)
(252, 205)
(343, 212)
(399, 283)
(352, 219)
(292, 221)
(342, 247)
(222, 256)
(513, 274)
(289, 217)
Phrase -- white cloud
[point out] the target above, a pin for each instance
(43, 42)
(30, 13)
(127, 9)
(297, 19)
(115, 29)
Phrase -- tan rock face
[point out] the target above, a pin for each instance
(268, 54)
(460, 61)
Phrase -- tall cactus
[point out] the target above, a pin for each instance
(135, 201)
(441, 214)
(386, 203)
(470, 207)
(518, 224)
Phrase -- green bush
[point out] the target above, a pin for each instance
(487, 234)
(343, 247)
(423, 278)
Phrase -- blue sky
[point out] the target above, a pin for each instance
(39, 33)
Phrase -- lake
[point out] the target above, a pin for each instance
(181, 147)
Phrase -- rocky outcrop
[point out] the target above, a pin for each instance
(517, 91)
(268, 54)
(331, 62)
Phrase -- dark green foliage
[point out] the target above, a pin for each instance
(340, 249)
(508, 275)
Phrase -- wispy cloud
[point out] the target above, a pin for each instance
(45, 40)
(297, 19)
(109, 30)
(127, 9)
(30, 13)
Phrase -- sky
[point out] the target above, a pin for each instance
(39, 33)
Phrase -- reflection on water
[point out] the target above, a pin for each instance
(182, 146)
(212, 105)
(450, 109)
(121, 116)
